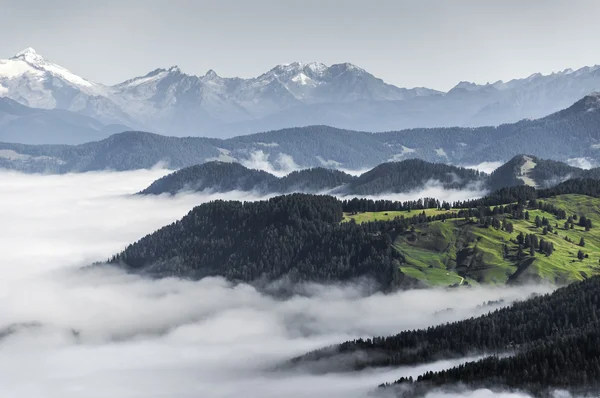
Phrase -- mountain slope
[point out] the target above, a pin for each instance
(297, 94)
(536, 172)
(392, 177)
(532, 235)
(297, 237)
(570, 134)
(22, 124)
(213, 176)
(312, 180)
(33, 81)
(553, 337)
(413, 174)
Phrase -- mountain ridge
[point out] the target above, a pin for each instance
(343, 95)
(571, 135)
(386, 178)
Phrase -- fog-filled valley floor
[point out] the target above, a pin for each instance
(98, 332)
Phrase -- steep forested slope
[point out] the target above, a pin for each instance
(555, 338)
(569, 308)
(564, 362)
(436, 243)
(297, 236)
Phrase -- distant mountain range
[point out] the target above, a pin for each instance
(571, 136)
(392, 177)
(168, 101)
(19, 123)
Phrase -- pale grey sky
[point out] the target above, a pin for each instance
(432, 43)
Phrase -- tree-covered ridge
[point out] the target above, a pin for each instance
(543, 330)
(227, 176)
(214, 176)
(413, 174)
(433, 242)
(316, 179)
(533, 171)
(392, 177)
(573, 133)
(298, 237)
(567, 362)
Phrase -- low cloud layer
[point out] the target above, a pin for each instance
(98, 332)
(280, 165)
(432, 189)
(486, 167)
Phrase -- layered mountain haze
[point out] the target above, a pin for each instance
(169, 101)
(19, 123)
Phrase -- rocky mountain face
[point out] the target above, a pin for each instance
(169, 101)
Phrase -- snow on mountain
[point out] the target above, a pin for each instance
(295, 94)
(28, 64)
(168, 100)
(32, 80)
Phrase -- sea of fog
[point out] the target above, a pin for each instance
(67, 332)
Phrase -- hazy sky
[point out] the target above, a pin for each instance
(433, 43)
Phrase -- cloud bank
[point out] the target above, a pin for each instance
(67, 332)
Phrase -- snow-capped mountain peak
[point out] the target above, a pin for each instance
(30, 56)
(316, 67)
(167, 100)
(29, 62)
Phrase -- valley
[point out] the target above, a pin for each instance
(317, 199)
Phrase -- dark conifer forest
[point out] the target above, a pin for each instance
(554, 339)
(301, 236)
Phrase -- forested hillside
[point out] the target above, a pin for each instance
(568, 309)
(555, 338)
(213, 176)
(225, 176)
(317, 179)
(413, 174)
(569, 134)
(389, 177)
(568, 362)
(297, 237)
(548, 235)
(536, 172)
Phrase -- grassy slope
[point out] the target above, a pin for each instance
(442, 253)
